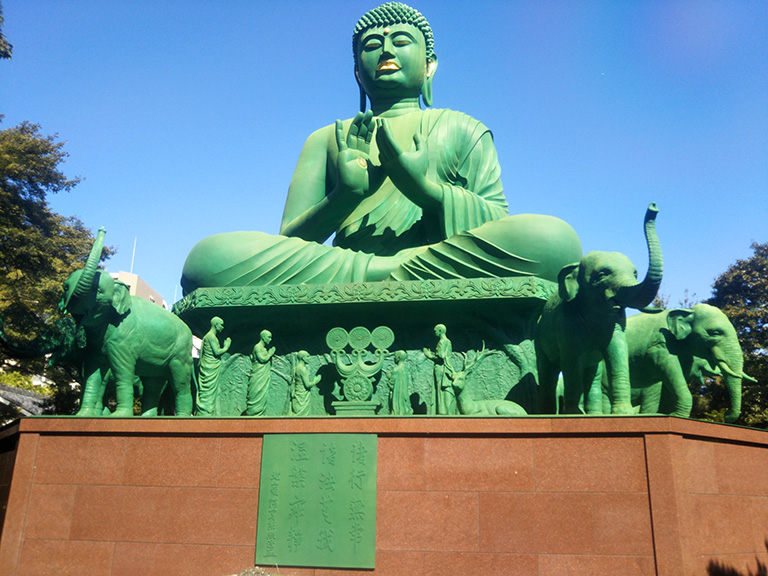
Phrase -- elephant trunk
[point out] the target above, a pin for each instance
(642, 294)
(734, 389)
(730, 361)
(89, 272)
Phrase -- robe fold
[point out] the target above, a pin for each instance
(388, 236)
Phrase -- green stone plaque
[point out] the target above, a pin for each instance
(317, 501)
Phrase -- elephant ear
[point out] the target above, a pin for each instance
(679, 323)
(568, 281)
(121, 298)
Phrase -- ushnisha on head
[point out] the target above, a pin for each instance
(394, 17)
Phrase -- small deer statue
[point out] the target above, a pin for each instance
(468, 406)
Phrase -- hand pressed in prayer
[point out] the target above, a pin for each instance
(408, 170)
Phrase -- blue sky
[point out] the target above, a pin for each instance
(187, 117)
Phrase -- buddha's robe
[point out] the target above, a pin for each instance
(470, 235)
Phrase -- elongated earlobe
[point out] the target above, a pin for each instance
(362, 92)
(426, 87)
(362, 99)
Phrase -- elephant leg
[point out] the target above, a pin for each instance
(593, 397)
(682, 394)
(617, 366)
(606, 402)
(573, 391)
(93, 390)
(108, 380)
(547, 394)
(124, 398)
(650, 399)
(153, 388)
(181, 383)
(123, 369)
(674, 384)
(605, 393)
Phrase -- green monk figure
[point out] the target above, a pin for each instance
(210, 366)
(406, 193)
(445, 398)
(399, 397)
(301, 384)
(261, 375)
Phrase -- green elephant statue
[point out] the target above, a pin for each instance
(581, 328)
(127, 337)
(670, 348)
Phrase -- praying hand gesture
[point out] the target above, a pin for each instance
(408, 170)
(354, 153)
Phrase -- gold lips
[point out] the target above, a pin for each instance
(387, 65)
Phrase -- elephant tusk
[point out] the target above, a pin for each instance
(748, 378)
(726, 369)
(709, 372)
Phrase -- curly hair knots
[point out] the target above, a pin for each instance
(391, 13)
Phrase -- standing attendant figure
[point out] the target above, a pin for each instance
(445, 399)
(261, 375)
(399, 398)
(301, 384)
(210, 367)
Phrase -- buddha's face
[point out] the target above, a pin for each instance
(392, 61)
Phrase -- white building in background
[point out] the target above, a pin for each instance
(138, 287)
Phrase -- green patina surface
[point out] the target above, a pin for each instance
(412, 200)
(317, 501)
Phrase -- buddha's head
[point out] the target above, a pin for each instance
(393, 47)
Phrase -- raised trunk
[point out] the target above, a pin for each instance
(643, 293)
(89, 272)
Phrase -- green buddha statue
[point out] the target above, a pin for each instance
(407, 193)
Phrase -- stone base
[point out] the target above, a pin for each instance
(291, 310)
(497, 313)
(631, 496)
(356, 408)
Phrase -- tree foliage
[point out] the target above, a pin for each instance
(742, 293)
(5, 47)
(38, 247)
